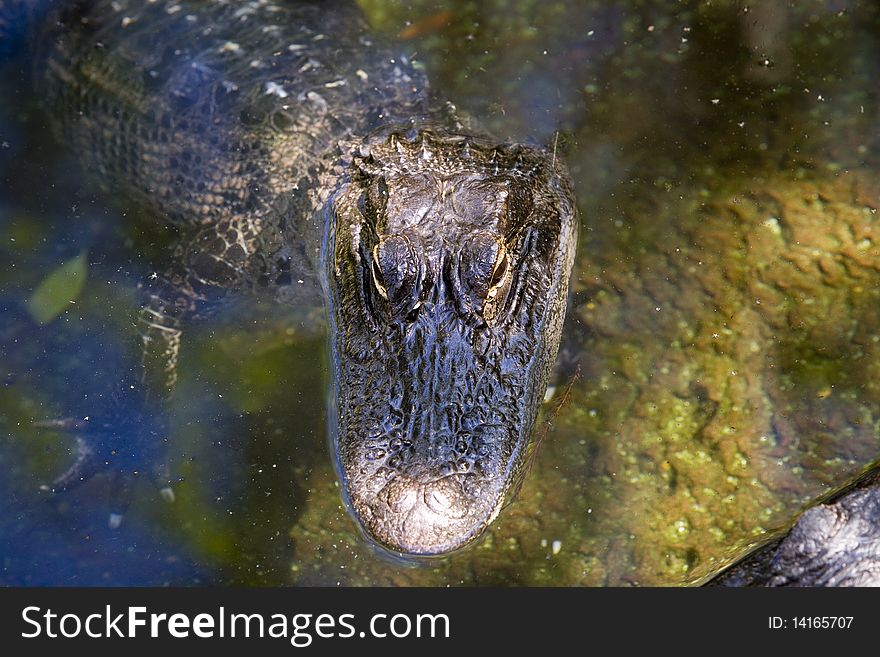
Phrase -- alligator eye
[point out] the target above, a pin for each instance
(397, 273)
(376, 270)
(483, 268)
(498, 271)
(482, 264)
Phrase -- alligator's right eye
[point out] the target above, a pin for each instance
(376, 271)
(397, 274)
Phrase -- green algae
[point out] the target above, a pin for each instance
(57, 291)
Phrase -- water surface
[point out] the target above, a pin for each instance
(720, 363)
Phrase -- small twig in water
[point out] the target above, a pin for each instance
(541, 434)
(555, 142)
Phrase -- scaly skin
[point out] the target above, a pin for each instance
(286, 145)
(835, 543)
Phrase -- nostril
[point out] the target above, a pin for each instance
(400, 494)
(437, 500)
(444, 497)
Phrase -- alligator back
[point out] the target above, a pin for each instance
(207, 110)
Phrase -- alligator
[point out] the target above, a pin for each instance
(298, 156)
(835, 542)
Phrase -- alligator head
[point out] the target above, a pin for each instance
(448, 266)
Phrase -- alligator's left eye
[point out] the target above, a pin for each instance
(499, 272)
(483, 266)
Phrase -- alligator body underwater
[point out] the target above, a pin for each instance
(293, 152)
(835, 543)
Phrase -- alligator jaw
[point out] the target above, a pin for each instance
(427, 462)
(446, 278)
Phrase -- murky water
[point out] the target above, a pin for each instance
(720, 363)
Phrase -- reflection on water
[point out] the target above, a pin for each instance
(724, 316)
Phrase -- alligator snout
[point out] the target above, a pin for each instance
(430, 518)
